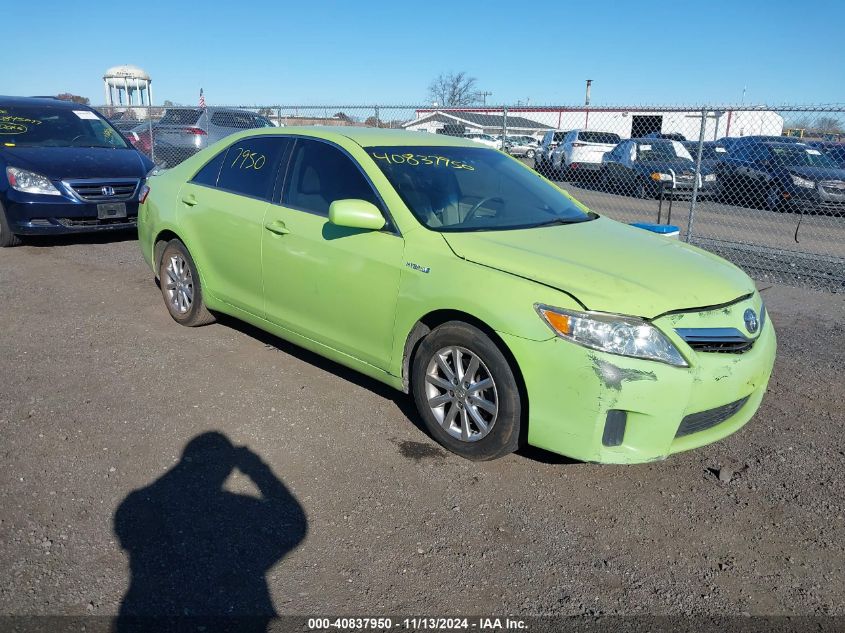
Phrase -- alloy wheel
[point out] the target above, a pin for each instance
(179, 284)
(461, 393)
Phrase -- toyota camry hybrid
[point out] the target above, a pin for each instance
(511, 312)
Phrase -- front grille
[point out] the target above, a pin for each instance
(104, 190)
(725, 347)
(696, 422)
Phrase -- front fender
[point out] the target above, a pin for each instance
(435, 279)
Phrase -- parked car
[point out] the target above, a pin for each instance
(711, 153)
(64, 169)
(582, 151)
(648, 168)
(782, 176)
(518, 146)
(515, 315)
(669, 136)
(484, 139)
(834, 151)
(543, 155)
(182, 132)
(735, 142)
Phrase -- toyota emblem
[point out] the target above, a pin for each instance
(751, 322)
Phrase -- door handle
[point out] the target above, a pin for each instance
(189, 199)
(278, 227)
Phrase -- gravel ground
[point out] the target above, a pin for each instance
(100, 392)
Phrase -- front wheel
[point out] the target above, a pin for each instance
(7, 238)
(466, 392)
(180, 286)
(529, 153)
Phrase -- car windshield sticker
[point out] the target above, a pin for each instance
(645, 148)
(721, 150)
(421, 160)
(247, 159)
(814, 152)
(86, 114)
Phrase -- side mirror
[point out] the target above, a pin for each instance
(356, 214)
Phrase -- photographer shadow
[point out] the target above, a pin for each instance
(198, 553)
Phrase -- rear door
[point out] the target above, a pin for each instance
(222, 208)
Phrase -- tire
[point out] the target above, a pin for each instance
(440, 353)
(180, 286)
(773, 199)
(7, 238)
(529, 153)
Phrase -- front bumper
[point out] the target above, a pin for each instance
(57, 215)
(820, 198)
(574, 393)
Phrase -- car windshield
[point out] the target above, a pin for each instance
(473, 189)
(662, 150)
(800, 157)
(180, 116)
(56, 127)
(608, 138)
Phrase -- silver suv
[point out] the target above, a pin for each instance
(182, 132)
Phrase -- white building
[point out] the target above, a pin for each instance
(627, 123)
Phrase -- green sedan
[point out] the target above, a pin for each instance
(508, 310)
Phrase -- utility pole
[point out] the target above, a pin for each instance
(484, 96)
(587, 96)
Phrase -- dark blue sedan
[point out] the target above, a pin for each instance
(64, 169)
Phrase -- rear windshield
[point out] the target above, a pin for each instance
(239, 120)
(186, 116)
(56, 127)
(599, 137)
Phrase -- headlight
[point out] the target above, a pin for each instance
(658, 177)
(803, 182)
(30, 182)
(622, 335)
(710, 178)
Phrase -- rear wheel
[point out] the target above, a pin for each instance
(7, 238)
(180, 286)
(466, 392)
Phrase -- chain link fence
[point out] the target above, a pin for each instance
(761, 186)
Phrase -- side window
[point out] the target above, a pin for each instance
(319, 174)
(208, 174)
(251, 165)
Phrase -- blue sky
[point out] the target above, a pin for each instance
(257, 52)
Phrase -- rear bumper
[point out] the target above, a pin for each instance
(56, 215)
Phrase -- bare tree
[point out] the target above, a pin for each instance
(828, 124)
(66, 96)
(454, 90)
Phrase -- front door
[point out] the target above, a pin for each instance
(332, 284)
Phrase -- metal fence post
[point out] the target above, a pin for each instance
(377, 119)
(279, 117)
(152, 140)
(504, 126)
(698, 176)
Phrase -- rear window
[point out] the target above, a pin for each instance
(599, 137)
(180, 117)
(558, 137)
(236, 120)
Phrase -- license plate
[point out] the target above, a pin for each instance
(111, 210)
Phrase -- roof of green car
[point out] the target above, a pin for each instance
(374, 137)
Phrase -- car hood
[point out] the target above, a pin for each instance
(609, 266)
(58, 163)
(817, 173)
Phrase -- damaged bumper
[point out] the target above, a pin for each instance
(600, 407)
